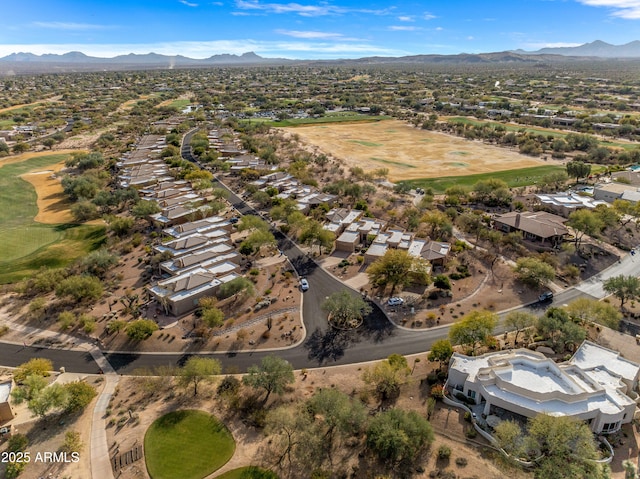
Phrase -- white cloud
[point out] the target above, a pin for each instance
(428, 16)
(304, 10)
(540, 45)
(629, 9)
(403, 28)
(406, 18)
(470, 37)
(313, 35)
(69, 26)
(188, 4)
(269, 49)
(439, 29)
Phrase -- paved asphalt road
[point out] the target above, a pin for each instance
(323, 346)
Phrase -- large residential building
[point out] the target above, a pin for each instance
(540, 226)
(596, 385)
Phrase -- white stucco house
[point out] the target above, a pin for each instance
(596, 385)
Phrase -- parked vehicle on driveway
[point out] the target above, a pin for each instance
(395, 301)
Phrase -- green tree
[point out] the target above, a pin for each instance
(20, 147)
(235, 286)
(29, 388)
(273, 375)
(80, 288)
(144, 209)
(578, 169)
(79, 395)
(556, 325)
(72, 442)
(252, 222)
(519, 320)
(387, 376)
(474, 327)
(212, 317)
(509, 436)
(397, 435)
(533, 271)
(35, 366)
(98, 262)
(84, 210)
(584, 222)
(587, 309)
(567, 447)
(141, 329)
(441, 351)
(314, 234)
(197, 370)
(52, 397)
(392, 268)
(337, 416)
(345, 309)
(623, 287)
(442, 282)
(291, 436)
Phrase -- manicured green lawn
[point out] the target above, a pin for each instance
(333, 118)
(27, 245)
(187, 444)
(513, 178)
(179, 104)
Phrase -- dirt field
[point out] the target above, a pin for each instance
(53, 206)
(407, 152)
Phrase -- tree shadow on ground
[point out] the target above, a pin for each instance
(328, 345)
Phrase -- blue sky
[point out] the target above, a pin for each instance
(309, 29)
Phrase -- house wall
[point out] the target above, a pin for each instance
(180, 306)
(604, 195)
(6, 414)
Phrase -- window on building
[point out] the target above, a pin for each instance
(611, 426)
(471, 394)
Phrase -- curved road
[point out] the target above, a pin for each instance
(323, 346)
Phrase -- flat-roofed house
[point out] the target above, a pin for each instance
(6, 412)
(596, 385)
(347, 241)
(534, 225)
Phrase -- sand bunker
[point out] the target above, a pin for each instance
(53, 205)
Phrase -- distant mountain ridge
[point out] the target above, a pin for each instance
(25, 62)
(138, 59)
(597, 48)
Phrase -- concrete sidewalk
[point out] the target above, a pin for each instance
(100, 458)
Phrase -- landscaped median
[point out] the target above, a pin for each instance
(187, 444)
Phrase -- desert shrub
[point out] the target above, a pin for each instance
(444, 452)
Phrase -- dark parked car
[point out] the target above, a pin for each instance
(546, 296)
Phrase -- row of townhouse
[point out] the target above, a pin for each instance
(288, 187)
(353, 230)
(200, 253)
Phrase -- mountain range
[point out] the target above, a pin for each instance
(598, 49)
(78, 61)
